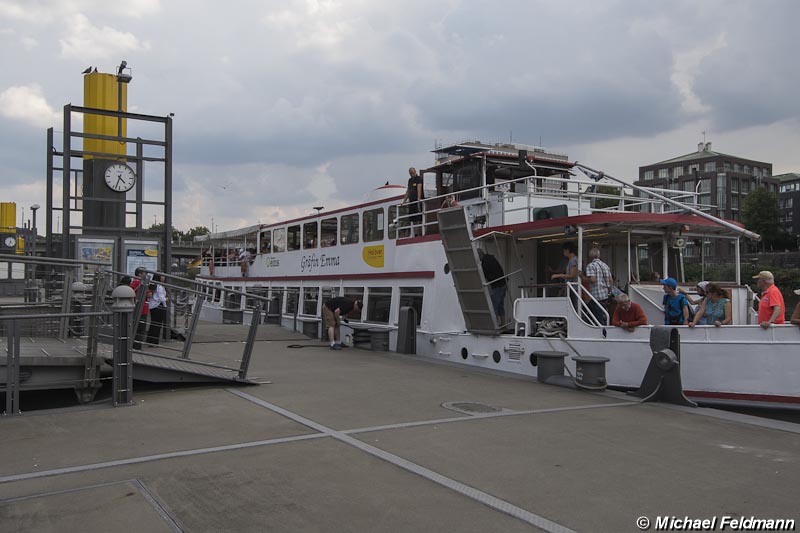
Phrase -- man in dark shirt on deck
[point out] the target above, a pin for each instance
(332, 311)
(414, 193)
(494, 273)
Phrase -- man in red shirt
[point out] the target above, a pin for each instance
(770, 305)
(628, 315)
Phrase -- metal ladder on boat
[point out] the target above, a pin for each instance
(465, 266)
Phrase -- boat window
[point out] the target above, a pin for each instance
(394, 212)
(412, 297)
(329, 292)
(356, 293)
(232, 300)
(350, 228)
(379, 302)
(373, 225)
(266, 242)
(279, 242)
(467, 176)
(329, 230)
(310, 235)
(292, 295)
(293, 238)
(276, 292)
(310, 300)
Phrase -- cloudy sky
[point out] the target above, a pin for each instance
(283, 105)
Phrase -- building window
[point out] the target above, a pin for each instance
(734, 201)
(310, 235)
(677, 172)
(736, 167)
(688, 186)
(705, 185)
(648, 175)
(757, 172)
(721, 192)
(310, 300)
(705, 202)
(373, 225)
(692, 168)
(412, 297)
(329, 292)
(746, 169)
(350, 229)
(710, 166)
(663, 173)
(329, 230)
(745, 186)
(279, 244)
(293, 238)
(767, 173)
(734, 185)
(726, 166)
(396, 211)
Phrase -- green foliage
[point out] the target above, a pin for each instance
(195, 231)
(760, 213)
(605, 203)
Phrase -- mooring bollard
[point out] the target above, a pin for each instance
(122, 381)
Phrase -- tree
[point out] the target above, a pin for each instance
(176, 233)
(195, 231)
(760, 213)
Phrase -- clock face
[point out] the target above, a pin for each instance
(120, 177)
(10, 241)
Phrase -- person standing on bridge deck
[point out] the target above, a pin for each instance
(158, 310)
(141, 328)
(332, 312)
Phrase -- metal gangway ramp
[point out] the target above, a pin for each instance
(465, 265)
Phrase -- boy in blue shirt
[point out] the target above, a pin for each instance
(676, 306)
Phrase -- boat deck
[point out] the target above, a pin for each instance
(353, 440)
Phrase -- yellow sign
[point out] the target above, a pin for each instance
(373, 255)
(151, 253)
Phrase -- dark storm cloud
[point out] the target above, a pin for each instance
(755, 80)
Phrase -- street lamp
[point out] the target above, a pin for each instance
(34, 208)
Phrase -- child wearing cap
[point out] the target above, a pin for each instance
(676, 306)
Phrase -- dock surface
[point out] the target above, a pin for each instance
(354, 440)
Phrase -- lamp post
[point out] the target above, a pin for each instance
(34, 208)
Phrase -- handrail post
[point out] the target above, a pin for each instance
(187, 344)
(122, 369)
(251, 337)
(12, 370)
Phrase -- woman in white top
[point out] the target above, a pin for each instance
(158, 310)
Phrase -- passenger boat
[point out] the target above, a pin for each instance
(519, 203)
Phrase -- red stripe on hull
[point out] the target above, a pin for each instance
(420, 274)
(743, 397)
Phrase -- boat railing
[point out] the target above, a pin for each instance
(578, 292)
(585, 193)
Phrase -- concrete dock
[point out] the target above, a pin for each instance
(354, 440)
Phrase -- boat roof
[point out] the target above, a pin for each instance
(683, 223)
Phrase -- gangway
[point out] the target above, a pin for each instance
(471, 286)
